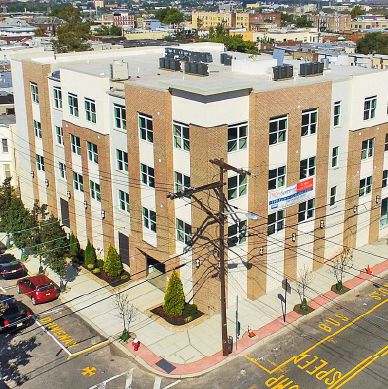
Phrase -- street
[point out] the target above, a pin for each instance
(35, 358)
(345, 345)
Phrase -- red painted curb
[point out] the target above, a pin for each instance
(267, 330)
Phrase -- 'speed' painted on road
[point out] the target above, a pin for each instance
(58, 332)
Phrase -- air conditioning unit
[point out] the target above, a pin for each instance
(119, 70)
(283, 72)
(311, 69)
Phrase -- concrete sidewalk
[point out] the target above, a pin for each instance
(195, 349)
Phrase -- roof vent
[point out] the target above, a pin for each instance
(119, 70)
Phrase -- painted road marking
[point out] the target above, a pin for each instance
(128, 382)
(2, 289)
(51, 311)
(337, 321)
(326, 339)
(89, 371)
(128, 379)
(57, 331)
(171, 385)
(157, 382)
(86, 350)
(379, 293)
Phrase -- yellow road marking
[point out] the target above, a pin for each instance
(359, 368)
(327, 338)
(98, 345)
(89, 371)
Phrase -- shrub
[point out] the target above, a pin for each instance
(96, 270)
(188, 319)
(174, 298)
(73, 247)
(192, 309)
(124, 277)
(112, 264)
(100, 263)
(90, 266)
(90, 254)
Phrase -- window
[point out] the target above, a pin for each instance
(122, 160)
(384, 213)
(309, 122)
(147, 175)
(365, 186)
(90, 110)
(334, 157)
(237, 186)
(7, 170)
(337, 113)
(306, 210)
(277, 178)
(333, 192)
(385, 178)
(181, 136)
(40, 162)
(75, 144)
(307, 167)
(275, 222)
(95, 191)
(237, 137)
(367, 148)
(181, 181)
(370, 107)
(4, 145)
(124, 201)
(78, 181)
(34, 92)
(237, 233)
(57, 97)
(183, 231)
(278, 129)
(92, 152)
(59, 134)
(120, 118)
(37, 129)
(62, 170)
(386, 143)
(73, 104)
(146, 128)
(149, 219)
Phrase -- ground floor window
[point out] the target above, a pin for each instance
(384, 213)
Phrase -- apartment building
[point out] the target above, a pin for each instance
(103, 153)
(369, 22)
(331, 22)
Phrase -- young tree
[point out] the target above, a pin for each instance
(39, 214)
(126, 311)
(303, 281)
(73, 246)
(174, 298)
(90, 254)
(341, 264)
(113, 265)
(6, 195)
(72, 37)
(356, 12)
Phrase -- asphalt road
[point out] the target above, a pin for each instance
(32, 358)
(342, 345)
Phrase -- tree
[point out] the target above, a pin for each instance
(373, 42)
(105, 30)
(169, 16)
(72, 37)
(303, 281)
(39, 214)
(73, 246)
(90, 254)
(341, 264)
(113, 265)
(66, 12)
(303, 22)
(174, 298)
(126, 311)
(6, 195)
(356, 12)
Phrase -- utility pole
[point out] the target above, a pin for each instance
(220, 219)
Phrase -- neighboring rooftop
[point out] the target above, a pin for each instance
(7, 119)
(246, 72)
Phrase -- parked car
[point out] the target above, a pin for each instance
(39, 288)
(10, 267)
(15, 316)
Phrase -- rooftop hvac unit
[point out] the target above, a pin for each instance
(283, 72)
(222, 58)
(228, 60)
(311, 69)
(119, 70)
(202, 69)
(193, 67)
(175, 64)
(162, 62)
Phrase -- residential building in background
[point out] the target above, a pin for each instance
(369, 22)
(105, 158)
(124, 19)
(331, 22)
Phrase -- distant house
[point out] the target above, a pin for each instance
(48, 24)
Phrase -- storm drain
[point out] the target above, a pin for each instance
(165, 365)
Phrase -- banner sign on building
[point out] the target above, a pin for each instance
(283, 198)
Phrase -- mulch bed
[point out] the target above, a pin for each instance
(112, 281)
(298, 309)
(342, 291)
(179, 320)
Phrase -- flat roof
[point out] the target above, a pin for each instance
(143, 63)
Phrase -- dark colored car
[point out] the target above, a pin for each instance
(10, 267)
(39, 288)
(15, 316)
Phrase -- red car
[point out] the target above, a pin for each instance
(39, 288)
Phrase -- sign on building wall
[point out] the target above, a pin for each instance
(285, 197)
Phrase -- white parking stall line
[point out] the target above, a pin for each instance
(9, 287)
(55, 340)
(157, 382)
(103, 383)
(54, 310)
(172, 384)
(128, 379)
(2, 289)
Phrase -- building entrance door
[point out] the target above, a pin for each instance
(156, 273)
